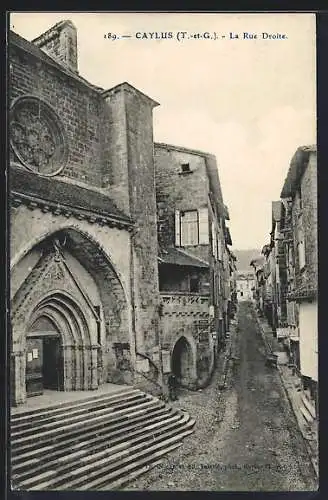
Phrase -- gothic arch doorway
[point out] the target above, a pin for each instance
(44, 364)
(68, 309)
(59, 351)
(182, 361)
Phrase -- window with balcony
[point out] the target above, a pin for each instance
(191, 227)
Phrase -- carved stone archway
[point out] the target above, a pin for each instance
(87, 331)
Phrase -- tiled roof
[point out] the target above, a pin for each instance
(296, 170)
(180, 258)
(63, 194)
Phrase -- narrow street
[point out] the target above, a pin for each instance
(246, 436)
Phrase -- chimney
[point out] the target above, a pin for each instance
(60, 42)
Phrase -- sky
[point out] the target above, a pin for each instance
(249, 101)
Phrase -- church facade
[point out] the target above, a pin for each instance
(84, 287)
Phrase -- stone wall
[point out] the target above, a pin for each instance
(187, 316)
(79, 107)
(176, 190)
(132, 163)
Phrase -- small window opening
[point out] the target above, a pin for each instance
(194, 284)
(185, 167)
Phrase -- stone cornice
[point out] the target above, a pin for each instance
(59, 209)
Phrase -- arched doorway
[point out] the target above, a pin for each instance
(68, 310)
(182, 361)
(44, 363)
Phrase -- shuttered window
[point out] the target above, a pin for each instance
(191, 227)
(203, 226)
(214, 240)
(177, 228)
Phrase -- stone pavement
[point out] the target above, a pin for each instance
(246, 437)
(293, 387)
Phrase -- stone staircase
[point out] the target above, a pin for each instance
(99, 443)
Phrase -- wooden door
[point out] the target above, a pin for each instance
(52, 364)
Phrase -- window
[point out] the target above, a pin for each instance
(185, 168)
(194, 284)
(191, 227)
(203, 226)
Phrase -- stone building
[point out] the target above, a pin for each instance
(245, 285)
(88, 283)
(258, 268)
(279, 269)
(300, 196)
(194, 272)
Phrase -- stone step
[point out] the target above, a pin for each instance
(72, 415)
(91, 451)
(90, 476)
(306, 414)
(57, 409)
(80, 424)
(132, 463)
(76, 438)
(83, 445)
(309, 406)
(102, 442)
(137, 469)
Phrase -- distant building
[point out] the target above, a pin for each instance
(258, 266)
(245, 285)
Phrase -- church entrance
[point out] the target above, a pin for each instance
(44, 363)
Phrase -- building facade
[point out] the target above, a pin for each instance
(287, 276)
(245, 284)
(300, 195)
(194, 272)
(88, 285)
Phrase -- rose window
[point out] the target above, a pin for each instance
(36, 136)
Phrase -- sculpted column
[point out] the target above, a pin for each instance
(18, 368)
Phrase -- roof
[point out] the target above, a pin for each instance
(227, 236)
(276, 211)
(266, 249)
(183, 149)
(296, 170)
(127, 85)
(177, 257)
(257, 262)
(226, 212)
(35, 51)
(63, 194)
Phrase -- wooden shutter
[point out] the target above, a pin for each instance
(203, 226)
(213, 239)
(177, 228)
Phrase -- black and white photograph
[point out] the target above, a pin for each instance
(163, 251)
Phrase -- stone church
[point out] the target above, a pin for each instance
(85, 299)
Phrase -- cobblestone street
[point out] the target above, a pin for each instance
(246, 436)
